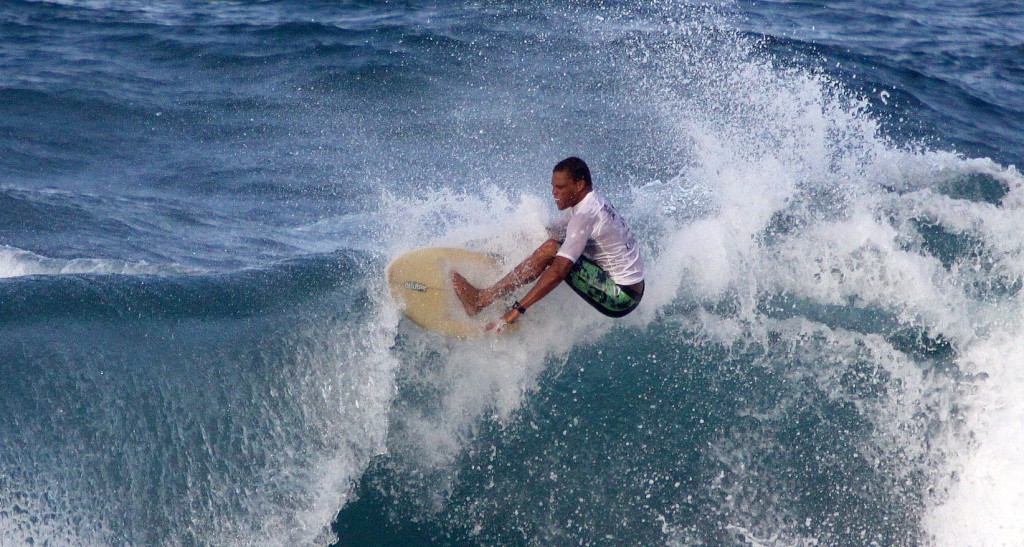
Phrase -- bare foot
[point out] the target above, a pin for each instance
(468, 294)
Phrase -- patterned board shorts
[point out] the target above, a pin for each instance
(594, 285)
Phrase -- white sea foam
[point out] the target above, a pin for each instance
(853, 257)
(790, 190)
(16, 262)
(986, 498)
(986, 495)
(486, 377)
(801, 196)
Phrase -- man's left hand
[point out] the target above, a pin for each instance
(497, 326)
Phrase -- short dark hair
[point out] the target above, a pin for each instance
(576, 168)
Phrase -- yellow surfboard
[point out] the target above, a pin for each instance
(420, 281)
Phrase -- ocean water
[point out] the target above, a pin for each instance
(198, 200)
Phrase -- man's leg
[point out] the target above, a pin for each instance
(474, 299)
(600, 291)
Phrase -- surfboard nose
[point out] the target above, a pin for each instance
(420, 282)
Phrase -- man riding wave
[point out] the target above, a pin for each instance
(596, 255)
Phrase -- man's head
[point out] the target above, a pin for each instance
(576, 169)
(570, 182)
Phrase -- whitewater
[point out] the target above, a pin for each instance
(198, 201)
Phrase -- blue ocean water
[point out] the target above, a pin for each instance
(198, 200)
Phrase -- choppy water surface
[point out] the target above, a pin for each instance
(197, 201)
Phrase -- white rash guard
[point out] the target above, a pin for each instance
(594, 229)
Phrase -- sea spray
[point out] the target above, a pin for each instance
(824, 353)
(233, 421)
(802, 320)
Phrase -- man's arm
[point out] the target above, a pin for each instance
(552, 276)
(577, 232)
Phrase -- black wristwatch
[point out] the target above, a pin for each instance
(519, 308)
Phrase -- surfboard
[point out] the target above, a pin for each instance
(420, 281)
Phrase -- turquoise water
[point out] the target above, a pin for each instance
(198, 199)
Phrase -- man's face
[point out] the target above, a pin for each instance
(567, 192)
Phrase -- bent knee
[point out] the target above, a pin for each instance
(550, 247)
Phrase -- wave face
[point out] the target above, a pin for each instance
(187, 409)
(197, 203)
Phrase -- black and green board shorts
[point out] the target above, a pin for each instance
(593, 284)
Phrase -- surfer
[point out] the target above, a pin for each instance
(592, 249)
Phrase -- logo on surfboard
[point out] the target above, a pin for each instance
(416, 286)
